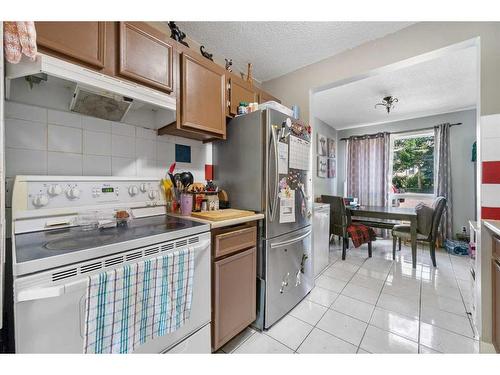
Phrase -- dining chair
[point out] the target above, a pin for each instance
(340, 219)
(403, 231)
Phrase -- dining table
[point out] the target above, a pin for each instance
(390, 214)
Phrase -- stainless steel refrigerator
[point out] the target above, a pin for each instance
(265, 166)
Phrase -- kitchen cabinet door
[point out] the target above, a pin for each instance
(202, 95)
(80, 42)
(496, 304)
(146, 56)
(240, 91)
(266, 97)
(234, 293)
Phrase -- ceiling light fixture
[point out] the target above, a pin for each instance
(388, 102)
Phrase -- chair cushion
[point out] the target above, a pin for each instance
(424, 218)
(404, 232)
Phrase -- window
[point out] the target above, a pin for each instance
(412, 165)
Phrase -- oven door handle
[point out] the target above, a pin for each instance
(34, 294)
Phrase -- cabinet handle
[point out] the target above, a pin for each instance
(497, 265)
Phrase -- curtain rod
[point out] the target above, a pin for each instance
(401, 132)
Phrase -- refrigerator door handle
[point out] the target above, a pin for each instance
(274, 199)
(289, 242)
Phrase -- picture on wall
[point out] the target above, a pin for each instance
(331, 168)
(322, 145)
(322, 166)
(331, 148)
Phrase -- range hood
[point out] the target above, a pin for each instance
(88, 92)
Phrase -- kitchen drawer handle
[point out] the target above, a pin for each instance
(289, 242)
(235, 233)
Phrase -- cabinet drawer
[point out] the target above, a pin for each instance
(239, 239)
(496, 304)
(234, 293)
(496, 247)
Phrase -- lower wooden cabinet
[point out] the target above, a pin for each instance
(234, 295)
(234, 281)
(496, 304)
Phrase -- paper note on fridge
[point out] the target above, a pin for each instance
(287, 206)
(299, 153)
(282, 158)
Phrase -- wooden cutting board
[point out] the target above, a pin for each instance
(220, 215)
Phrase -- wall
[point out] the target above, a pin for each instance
(293, 88)
(43, 141)
(462, 169)
(327, 186)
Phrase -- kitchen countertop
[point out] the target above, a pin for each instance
(222, 223)
(493, 225)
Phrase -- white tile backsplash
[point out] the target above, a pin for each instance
(64, 164)
(122, 146)
(43, 141)
(96, 124)
(123, 167)
(65, 139)
(145, 149)
(72, 120)
(94, 165)
(165, 152)
(145, 133)
(26, 134)
(24, 162)
(25, 112)
(95, 143)
(123, 129)
(146, 168)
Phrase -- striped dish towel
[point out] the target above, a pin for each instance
(127, 306)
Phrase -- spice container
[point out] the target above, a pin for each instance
(243, 108)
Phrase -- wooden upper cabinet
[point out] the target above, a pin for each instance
(202, 95)
(145, 56)
(81, 42)
(266, 97)
(240, 91)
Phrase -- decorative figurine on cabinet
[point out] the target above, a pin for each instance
(206, 54)
(250, 73)
(229, 65)
(176, 33)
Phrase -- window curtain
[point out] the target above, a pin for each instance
(368, 169)
(442, 175)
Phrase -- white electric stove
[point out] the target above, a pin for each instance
(53, 257)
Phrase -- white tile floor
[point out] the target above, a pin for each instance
(375, 305)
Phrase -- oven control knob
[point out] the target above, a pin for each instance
(40, 200)
(144, 187)
(73, 193)
(133, 190)
(152, 194)
(54, 190)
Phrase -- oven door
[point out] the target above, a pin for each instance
(50, 318)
